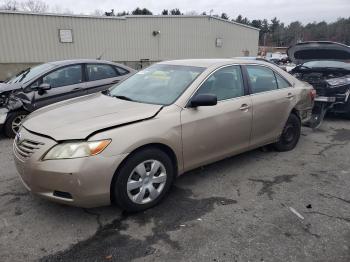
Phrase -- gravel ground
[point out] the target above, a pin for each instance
(239, 209)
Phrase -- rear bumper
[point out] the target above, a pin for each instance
(306, 116)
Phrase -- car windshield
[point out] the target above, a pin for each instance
(30, 73)
(327, 63)
(159, 84)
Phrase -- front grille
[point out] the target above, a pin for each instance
(26, 147)
(319, 84)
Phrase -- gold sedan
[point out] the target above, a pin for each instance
(128, 144)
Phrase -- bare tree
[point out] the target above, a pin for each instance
(35, 6)
(175, 11)
(224, 16)
(111, 13)
(10, 5)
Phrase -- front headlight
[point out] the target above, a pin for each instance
(341, 81)
(79, 149)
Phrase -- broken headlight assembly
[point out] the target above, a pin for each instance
(3, 100)
(340, 81)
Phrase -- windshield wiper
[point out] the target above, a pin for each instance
(25, 73)
(106, 92)
(124, 98)
(303, 67)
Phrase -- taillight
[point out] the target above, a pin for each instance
(312, 94)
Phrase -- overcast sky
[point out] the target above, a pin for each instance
(286, 10)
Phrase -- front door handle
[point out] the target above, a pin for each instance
(115, 81)
(244, 107)
(77, 88)
(290, 96)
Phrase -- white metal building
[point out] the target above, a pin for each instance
(27, 38)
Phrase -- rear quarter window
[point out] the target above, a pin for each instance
(121, 71)
(281, 82)
(100, 71)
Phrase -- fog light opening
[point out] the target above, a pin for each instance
(62, 194)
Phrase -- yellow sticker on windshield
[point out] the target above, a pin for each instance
(160, 75)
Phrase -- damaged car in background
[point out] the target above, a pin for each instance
(52, 82)
(326, 66)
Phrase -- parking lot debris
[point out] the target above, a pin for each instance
(296, 213)
(309, 206)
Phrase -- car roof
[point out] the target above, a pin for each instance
(212, 62)
(75, 61)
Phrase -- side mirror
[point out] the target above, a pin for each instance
(203, 100)
(44, 87)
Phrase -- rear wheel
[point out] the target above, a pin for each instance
(14, 122)
(290, 135)
(143, 180)
(347, 115)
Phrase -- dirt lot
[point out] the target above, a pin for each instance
(234, 210)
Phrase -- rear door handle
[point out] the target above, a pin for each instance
(77, 88)
(289, 96)
(244, 107)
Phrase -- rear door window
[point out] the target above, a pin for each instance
(262, 79)
(100, 71)
(69, 75)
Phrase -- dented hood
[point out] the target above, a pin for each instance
(4, 87)
(79, 118)
(318, 50)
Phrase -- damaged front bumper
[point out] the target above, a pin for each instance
(336, 98)
(337, 103)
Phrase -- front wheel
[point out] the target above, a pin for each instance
(290, 135)
(143, 180)
(14, 122)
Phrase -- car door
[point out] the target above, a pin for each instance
(213, 132)
(102, 76)
(65, 83)
(271, 103)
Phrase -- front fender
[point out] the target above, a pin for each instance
(18, 100)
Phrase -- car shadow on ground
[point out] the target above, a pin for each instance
(180, 208)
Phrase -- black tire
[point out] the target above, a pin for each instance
(14, 116)
(347, 115)
(120, 194)
(290, 135)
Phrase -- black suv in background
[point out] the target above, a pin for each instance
(326, 66)
(53, 82)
